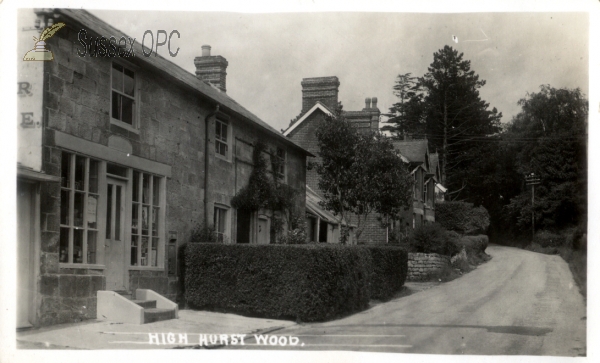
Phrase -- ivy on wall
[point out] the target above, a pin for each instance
(265, 192)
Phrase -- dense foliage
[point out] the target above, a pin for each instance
(359, 173)
(462, 217)
(548, 138)
(432, 238)
(302, 282)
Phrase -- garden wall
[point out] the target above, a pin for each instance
(421, 265)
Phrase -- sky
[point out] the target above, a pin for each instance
(269, 54)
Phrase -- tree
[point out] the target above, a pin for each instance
(445, 106)
(359, 173)
(406, 115)
(550, 139)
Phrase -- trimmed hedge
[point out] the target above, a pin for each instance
(462, 217)
(390, 267)
(432, 238)
(301, 282)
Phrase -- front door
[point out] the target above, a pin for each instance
(263, 230)
(24, 254)
(115, 235)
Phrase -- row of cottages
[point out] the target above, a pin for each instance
(427, 188)
(320, 99)
(119, 159)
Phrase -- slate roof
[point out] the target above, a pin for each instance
(434, 160)
(312, 204)
(413, 150)
(171, 70)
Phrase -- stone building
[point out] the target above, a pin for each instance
(120, 157)
(319, 99)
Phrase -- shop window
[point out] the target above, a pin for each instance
(78, 209)
(123, 95)
(147, 223)
(220, 223)
(221, 138)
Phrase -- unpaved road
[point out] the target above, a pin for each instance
(519, 302)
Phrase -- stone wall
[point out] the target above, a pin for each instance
(420, 265)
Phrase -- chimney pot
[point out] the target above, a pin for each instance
(212, 69)
(374, 100)
(367, 102)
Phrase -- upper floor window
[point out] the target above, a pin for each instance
(425, 194)
(416, 184)
(221, 138)
(280, 163)
(123, 95)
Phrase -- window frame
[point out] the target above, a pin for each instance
(72, 190)
(282, 174)
(155, 215)
(219, 138)
(223, 212)
(135, 126)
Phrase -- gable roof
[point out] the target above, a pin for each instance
(173, 71)
(434, 160)
(318, 106)
(413, 150)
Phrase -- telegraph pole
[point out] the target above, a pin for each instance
(532, 180)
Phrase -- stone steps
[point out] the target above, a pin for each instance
(145, 307)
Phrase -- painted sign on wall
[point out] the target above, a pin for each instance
(30, 78)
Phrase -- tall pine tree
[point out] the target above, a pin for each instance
(445, 106)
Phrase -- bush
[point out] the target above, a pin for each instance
(462, 217)
(390, 267)
(203, 233)
(301, 282)
(546, 238)
(475, 247)
(432, 238)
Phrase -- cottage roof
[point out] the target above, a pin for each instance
(434, 160)
(171, 70)
(312, 204)
(413, 150)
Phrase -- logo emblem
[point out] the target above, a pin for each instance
(40, 53)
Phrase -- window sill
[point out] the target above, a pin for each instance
(124, 125)
(82, 266)
(224, 158)
(145, 268)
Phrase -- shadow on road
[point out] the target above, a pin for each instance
(519, 330)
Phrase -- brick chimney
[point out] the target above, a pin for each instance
(211, 69)
(323, 89)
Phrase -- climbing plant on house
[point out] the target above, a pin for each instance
(270, 193)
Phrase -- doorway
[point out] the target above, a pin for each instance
(243, 226)
(114, 244)
(263, 230)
